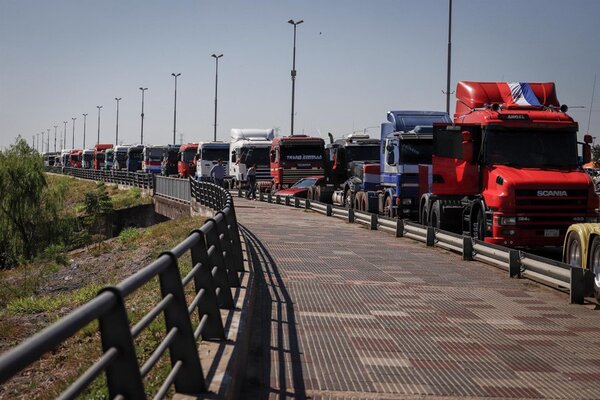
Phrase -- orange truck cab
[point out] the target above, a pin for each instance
(186, 165)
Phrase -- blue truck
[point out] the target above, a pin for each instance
(406, 145)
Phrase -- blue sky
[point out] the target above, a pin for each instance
(355, 59)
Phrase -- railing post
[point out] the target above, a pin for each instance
(183, 348)
(261, 196)
(208, 304)
(307, 204)
(296, 202)
(269, 197)
(578, 286)
(234, 233)
(373, 225)
(514, 264)
(430, 236)
(399, 227)
(329, 210)
(467, 249)
(123, 373)
(217, 260)
(230, 264)
(287, 200)
(240, 191)
(351, 215)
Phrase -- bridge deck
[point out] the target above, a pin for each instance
(344, 312)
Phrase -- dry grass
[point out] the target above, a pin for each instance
(22, 315)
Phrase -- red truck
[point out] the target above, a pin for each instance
(99, 154)
(75, 158)
(186, 166)
(507, 170)
(296, 157)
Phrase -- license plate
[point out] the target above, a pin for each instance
(551, 232)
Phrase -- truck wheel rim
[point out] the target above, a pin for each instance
(575, 254)
(596, 266)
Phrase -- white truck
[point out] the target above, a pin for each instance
(208, 155)
(248, 147)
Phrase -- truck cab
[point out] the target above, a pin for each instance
(170, 159)
(406, 145)
(250, 147)
(65, 158)
(110, 157)
(100, 155)
(507, 171)
(208, 155)
(295, 157)
(88, 158)
(186, 165)
(134, 158)
(120, 158)
(152, 159)
(75, 158)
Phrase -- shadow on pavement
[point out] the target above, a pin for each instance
(274, 365)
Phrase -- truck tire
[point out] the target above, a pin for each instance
(324, 194)
(594, 265)
(478, 224)
(310, 194)
(424, 217)
(435, 219)
(348, 198)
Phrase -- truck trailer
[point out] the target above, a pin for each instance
(250, 147)
(507, 170)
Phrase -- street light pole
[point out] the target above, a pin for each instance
(175, 107)
(143, 89)
(55, 126)
(216, 57)
(65, 135)
(117, 131)
(99, 108)
(48, 141)
(73, 139)
(33, 141)
(37, 142)
(42, 148)
(449, 56)
(84, 126)
(293, 73)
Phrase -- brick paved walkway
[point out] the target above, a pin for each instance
(348, 313)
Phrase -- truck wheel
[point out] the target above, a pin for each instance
(436, 215)
(573, 253)
(424, 217)
(324, 194)
(478, 225)
(348, 199)
(310, 194)
(594, 265)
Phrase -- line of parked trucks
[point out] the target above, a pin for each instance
(506, 169)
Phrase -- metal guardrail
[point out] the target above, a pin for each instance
(517, 263)
(136, 179)
(216, 261)
(172, 188)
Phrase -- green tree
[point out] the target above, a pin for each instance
(22, 181)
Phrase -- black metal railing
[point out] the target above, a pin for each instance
(216, 256)
(137, 179)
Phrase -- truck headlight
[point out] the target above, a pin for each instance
(406, 202)
(508, 220)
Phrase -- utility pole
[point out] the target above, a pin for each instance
(48, 141)
(293, 73)
(55, 126)
(449, 56)
(73, 139)
(175, 107)
(99, 108)
(216, 57)
(65, 135)
(117, 130)
(84, 126)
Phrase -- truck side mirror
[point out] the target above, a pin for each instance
(586, 152)
(272, 155)
(233, 153)
(390, 159)
(467, 146)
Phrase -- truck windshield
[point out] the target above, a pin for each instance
(416, 151)
(109, 157)
(362, 153)
(135, 155)
(255, 155)
(100, 156)
(302, 153)
(214, 154)
(188, 155)
(155, 154)
(121, 156)
(530, 148)
(88, 157)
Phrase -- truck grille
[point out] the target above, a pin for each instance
(263, 174)
(527, 201)
(293, 175)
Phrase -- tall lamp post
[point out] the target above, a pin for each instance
(118, 99)
(55, 126)
(37, 142)
(65, 135)
(143, 89)
(449, 56)
(42, 148)
(293, 73)
(175, 107)
(84, 126)
(99, 108)
(73, 139)
(48, 141)
(33, 141)
(216, 57)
